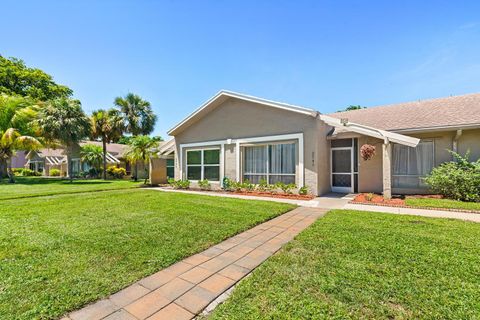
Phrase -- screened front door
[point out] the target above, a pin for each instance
(343, 169)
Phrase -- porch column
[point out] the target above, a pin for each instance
(387, 171)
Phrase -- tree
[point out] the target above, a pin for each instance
(126, 139)
(108, 126)
(138, 114)
(17, 78)
(64, 121)
(11, 141)
(16, 130)
(352, 107)
(92, 155)
(141, 148)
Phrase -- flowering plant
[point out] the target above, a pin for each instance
(367, 151)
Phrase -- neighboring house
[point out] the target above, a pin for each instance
(19, 159)
(44, 160)
(243, 137)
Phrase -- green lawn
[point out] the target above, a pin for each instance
(60, 252)
(362, 265)
(39, 186)
(442, 203)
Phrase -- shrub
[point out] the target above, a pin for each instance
(458, 180)
(117, 173)
(236, 186)
(54, 173)
(204, 184)
(285, 187)
(17, 171)
(227, 184)
(179, 184)
(83, 174)
(26, 172)
(262, 185)
(248, 186)
(93, 172)
(303, 191)
(369, 196)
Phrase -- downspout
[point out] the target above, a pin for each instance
(455, 141)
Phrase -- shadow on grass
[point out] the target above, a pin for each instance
(55, 181)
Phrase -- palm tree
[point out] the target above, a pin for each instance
(63, 120)
(141, 148)
(138, 114)
(92, 155)
(108, 126)
(10, 141)
(16, 130)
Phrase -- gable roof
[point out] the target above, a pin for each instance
(222, 96)
(442, 113)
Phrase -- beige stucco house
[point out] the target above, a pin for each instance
(243, 137)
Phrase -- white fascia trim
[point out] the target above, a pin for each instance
(372, 132)
(439, 128)
(270, 103)
(293, 136)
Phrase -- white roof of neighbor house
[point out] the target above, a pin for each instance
(223, 95)
(167, 147)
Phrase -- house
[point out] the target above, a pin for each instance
(45, 159)
(243, 137)
(19, 159)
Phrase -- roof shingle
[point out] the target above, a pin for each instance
(455, 111)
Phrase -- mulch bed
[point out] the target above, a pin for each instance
(260, 194)
(275, 195)
(378, 200)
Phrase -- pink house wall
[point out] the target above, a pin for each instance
(19, 160)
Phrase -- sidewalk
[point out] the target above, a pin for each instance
(184, 289)
(432, 213)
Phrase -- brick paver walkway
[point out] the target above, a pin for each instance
(184, 289)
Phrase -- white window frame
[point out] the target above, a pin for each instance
(202, 165)
(408, 165)
(268, 173)
(298, 137)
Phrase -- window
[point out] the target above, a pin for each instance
(203, 164)
(411, 165)
(76, 166)
(274, 163)
(36, 166)
(170, 168)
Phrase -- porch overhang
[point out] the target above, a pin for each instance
(111, 158)
(167, 148)
(55, 160)
(386, 136)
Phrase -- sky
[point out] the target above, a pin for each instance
(325, 55)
